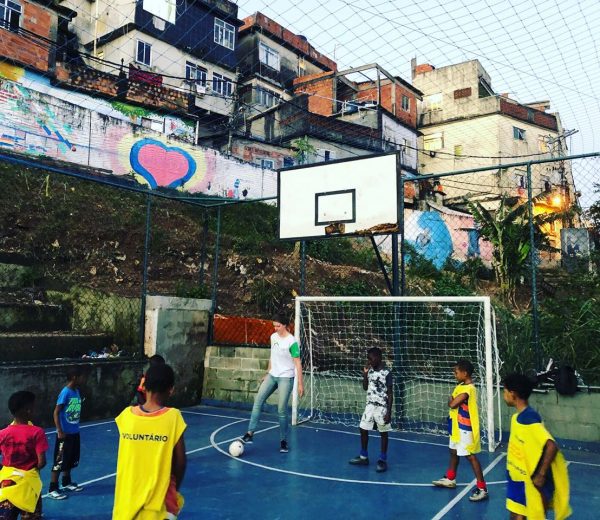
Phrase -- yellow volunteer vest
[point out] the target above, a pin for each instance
(473, 412)
(144, 463)
(525, 446)
(26, 491)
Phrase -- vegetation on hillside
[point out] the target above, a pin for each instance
(81, 234)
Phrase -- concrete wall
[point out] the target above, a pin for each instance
(233, 375)
(109, 388)
(177, 329)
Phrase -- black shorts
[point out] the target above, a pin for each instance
(66, 452)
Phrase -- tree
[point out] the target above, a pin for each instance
(304, 149)
(508, 231)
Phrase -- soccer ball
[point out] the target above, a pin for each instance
(236, 448)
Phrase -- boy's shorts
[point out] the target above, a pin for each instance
(516, 501)
(374, 414)
(461, 447)
(66, 452)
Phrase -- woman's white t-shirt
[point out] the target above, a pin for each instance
(283, 351)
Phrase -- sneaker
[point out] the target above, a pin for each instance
(284, 448)
(73, 486)
(247, 438)
(445, 482)
(56, 495)
(381, 466)
(359, 461)
(478, 495)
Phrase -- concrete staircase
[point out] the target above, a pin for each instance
(32, 328)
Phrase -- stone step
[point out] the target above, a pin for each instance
(34, 316)
(24, 346)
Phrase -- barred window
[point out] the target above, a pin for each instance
(10, 14)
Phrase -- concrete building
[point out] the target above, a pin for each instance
(465, 124)
(270, 58)
(185, 46)
(27, 27)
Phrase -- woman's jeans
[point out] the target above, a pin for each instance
(267, 387)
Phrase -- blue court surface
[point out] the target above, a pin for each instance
(314, 480)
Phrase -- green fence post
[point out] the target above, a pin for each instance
(145, 273)
(535, 339)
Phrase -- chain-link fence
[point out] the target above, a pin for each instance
(79, 257)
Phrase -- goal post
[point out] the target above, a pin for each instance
(421, 339)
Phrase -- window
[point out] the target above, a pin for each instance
(195, 73)
(301, 66)
(433, 142)
(530, 115)
(518, 133)
(10, 14)
(154, 124)
(143, 53)
(268, 56)
(405, 103)
(407, 147)
(222, 85)
(433, 102)
(224, 34)
(266, 97)
(458, 150)
(267, 164)
(542, 143)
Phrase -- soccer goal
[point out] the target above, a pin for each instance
(421, 339)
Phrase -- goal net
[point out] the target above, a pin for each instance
(421, 339)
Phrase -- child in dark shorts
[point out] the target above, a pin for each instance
(67, 448)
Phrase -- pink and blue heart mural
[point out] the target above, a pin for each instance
(161, 165)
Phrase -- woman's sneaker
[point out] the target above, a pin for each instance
(284, 448)
(247, 438)
(478, 495)
(73, 486)
(56, 495)
(445, 482)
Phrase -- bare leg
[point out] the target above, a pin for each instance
(384, 442)
(364, 439)
(476, 467)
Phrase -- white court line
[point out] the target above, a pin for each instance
(584, 463)
(306, 475)
(468, 488)
(321, 428)
(86, 426)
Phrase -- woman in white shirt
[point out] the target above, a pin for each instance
(284, 365)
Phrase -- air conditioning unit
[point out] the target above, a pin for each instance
(200, 89)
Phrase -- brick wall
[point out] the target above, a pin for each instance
(233, 374)
(25, 49)
(320, 93)
(523, 113)
(94, 81)
(408, 117)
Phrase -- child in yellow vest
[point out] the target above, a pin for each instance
(151, 460)
(463, 425)
(23, 448)
(537, 471)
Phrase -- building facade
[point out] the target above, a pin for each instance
(465, 125)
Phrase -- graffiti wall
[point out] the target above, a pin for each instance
(41, 120)
(443, 234)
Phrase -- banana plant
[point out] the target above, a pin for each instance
(507, 229)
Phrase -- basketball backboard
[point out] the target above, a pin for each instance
(345, 197)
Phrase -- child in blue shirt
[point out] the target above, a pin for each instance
(67, 448)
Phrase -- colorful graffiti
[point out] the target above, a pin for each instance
(441, 234)
(161, 165)
(37, 120)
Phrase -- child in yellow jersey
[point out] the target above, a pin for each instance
(463, 425)
(151, 461)
(537, 471)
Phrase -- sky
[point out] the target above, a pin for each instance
(532, 49)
